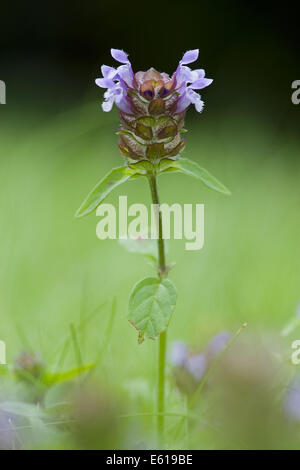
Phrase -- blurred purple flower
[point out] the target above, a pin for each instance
(178, 354)
(196, 366)
(218, 343)
(8, 437)
(291, 405)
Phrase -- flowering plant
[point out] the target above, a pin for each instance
(152, 107)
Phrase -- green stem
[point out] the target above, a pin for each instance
(163, 336)
(161, 388)
(161, 244)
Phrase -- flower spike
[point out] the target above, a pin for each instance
(152, 105)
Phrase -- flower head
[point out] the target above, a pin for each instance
(151, 105)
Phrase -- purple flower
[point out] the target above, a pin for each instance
(188, 368)
(117, 81)
(291, 405)
(194, 364)
(177, 90)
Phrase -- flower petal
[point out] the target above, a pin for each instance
(123, 104)
(126, 74)
(199, 105)
(190, 56)
(119, 56)
(107, 105)
(182, 75)
(201, 83)
(195, 99)
(105, 82)
(183, 102)
(198, 73)
(108, 72)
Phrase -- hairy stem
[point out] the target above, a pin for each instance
(162, 271)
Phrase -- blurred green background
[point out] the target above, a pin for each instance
(55, 271)
(56, 143)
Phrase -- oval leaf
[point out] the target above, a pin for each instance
(113, 179)
(191, 168)
(151, 305)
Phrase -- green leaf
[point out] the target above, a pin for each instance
(113, 179)
(151, 305)
(51, 378)
(188, 167)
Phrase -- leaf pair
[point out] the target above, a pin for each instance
(122, 174)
